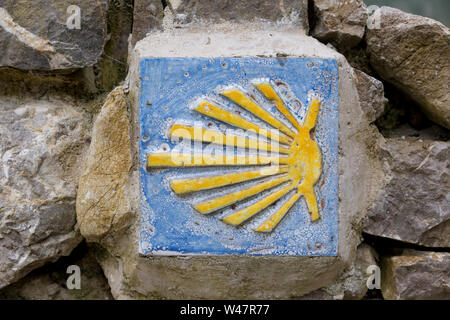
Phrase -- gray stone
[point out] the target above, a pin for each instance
(371, 95)
(42, 143)
(414, 204)
(111, 69)
(151, 15)
(50, 283)
(148, 15)
(34, 34)
(215, 11)
(358, 59)
(352, 284)
(413, 53)
(416, 275)
(340, 22)
(240, 277)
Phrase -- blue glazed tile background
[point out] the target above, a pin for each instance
(169, 224)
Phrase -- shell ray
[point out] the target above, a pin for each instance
(230, 118)
(274, 219)
(170, 160)
(182, 186)
(267, 90)
(228, 199)
(241, 99)
(212, 136)
(243, 215)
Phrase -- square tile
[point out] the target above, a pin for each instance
(229, 199)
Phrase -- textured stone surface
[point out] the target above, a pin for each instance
(416, 276)
(148, 15)
(413, 53)
(41, 147)
(371, 95)
(50, 282)
(352, 284)
(34, 34)
(414, 204)
(112, 67)
(340, 22)
(286, 11)
(131, 276)
(102, 203)
(151, 15)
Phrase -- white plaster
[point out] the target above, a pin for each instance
(230, 40)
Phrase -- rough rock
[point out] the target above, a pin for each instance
(42, 143)
(221, 277)
(413, 53)
(148, 15)
(416, 275)
(152, 15)
(102, 203)
(214, 11)
(112, 67)
(352, 284)
(340, 22)
(371, 95)
(358, 59)
(414, 204)
(50, 282)
(34, 34)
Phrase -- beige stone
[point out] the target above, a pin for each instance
(102, 204)
(340, 22)
(413, 53)
(416, 275)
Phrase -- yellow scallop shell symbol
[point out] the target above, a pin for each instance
(292, 172)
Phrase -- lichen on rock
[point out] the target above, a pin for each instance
(102, 204)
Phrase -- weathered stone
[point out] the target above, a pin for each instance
(413, 53)
(371, 95)
(352, 284)
(416, 275)
(433, 133)
(50, 282)
(34, 34)
(148, 15)
(340, 22)
(41, 147)
(102, 203)
(132, 276)
(151, 15)
(358, 59)
(290, 11)
(112, 67)
(414, 205)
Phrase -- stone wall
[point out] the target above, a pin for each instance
(69, 147)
